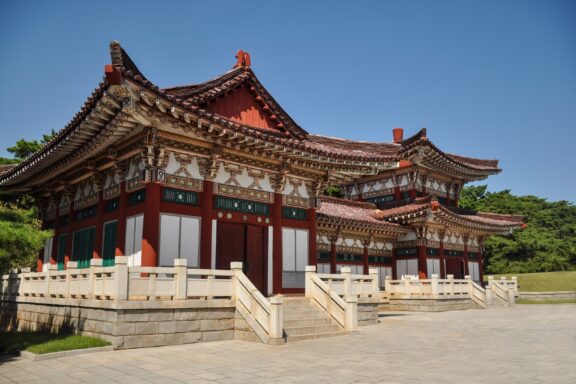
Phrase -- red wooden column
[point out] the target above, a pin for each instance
(68, 253)
(333, 256)
(481, 259)
(99, 226)
(206, 231)
(442, 257)
(397, 194)
(312, 257)
(422, 264)
(365, 256)
(121, 227)
(466, 271)
(151, 230)
(277, 243)
(394, 256)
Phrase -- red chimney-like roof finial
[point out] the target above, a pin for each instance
(242, 59)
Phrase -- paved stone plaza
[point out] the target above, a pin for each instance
(525, 344)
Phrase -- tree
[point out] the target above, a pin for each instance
(20, 237)
(24, 148)
(547, 244)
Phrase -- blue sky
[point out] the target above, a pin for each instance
(489, 79)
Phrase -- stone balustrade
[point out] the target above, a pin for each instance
(347, 285)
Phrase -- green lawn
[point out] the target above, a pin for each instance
(548, 301)
(39, 343)
(543, 281)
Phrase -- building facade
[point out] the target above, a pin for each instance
(219, 172)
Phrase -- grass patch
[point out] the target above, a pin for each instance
(40, 343)
(543, 281)
(546, 301)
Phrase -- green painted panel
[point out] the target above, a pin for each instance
(380, 259)
(323, 256)
(137, 197)
(348, 257)
(294, 213)
(406, 251)
(239, 205)
(112, 205)
(109, 246)
(62, 240)
(179, 196)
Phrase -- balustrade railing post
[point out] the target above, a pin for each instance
(515, 283)
(407, 286)
(309, 271)
(94, 263)
(375, 282)
(387, 284)
(346, 272)
(69, 267)
(469, 285)
(351, 315)
(181, 279)
(489, 298)
(276, 317)
(236, 267)
(434, 284)
(121, 278)
(451, 284)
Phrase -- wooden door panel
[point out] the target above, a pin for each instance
(230, 244)
(454, 267)
(255, 256)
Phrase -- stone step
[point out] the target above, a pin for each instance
(313, 336)
(297, 301)
(311, 329)
(306, 322)
(297, 315)
(301, 308)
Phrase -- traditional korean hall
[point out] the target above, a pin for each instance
(219, 172)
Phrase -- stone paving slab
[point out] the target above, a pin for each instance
(524, 344)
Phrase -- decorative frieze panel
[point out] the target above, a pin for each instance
(435, 186)
(231, 204)
(244, 193)
(111, 185)
(296, 201)
(184, 182)
(64, 205)
(348, 245)
(136, 174)
(86, 194)
(51, 209)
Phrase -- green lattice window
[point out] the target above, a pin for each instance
(323, 256)
(109, 243)
(246, 206)
(407, 251)
(83, 246)
(379, 260)
(472, 255)
(348, 257)
(61, 250)
(137, 197)
(179, 196)
(112, 205)
(432, 251)
(294, 213)
(86, 213)
(450, 252)
(380, 199)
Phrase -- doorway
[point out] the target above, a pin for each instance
(245, 243)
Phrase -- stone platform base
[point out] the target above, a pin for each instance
(131, 324)
(367, 312)
(547, 295)
(430, 304)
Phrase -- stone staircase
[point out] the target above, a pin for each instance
(303, 320)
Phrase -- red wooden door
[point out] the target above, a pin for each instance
(230, 244)
(255, 257)
(245, 243)
(454, 267)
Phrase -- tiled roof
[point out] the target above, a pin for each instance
(344, 209)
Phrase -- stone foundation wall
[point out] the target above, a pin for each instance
(430, 304)
(130, 324)
(547, 295)
(367, 312)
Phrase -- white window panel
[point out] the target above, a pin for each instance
(133, 244)
(179, 239)
(48, 250)
(433, 266)
(354, 269)
(288, 249)
(301, 249)
(190, 240)
(406, 267)
(473, 270)
(382, 273)
(323, 268)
